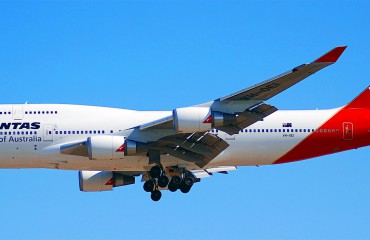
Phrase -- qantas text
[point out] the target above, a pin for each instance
(19, 125)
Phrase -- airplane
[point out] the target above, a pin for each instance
(173, 150)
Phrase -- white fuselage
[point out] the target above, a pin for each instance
(24, 147)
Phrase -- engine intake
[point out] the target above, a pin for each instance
(97, 181)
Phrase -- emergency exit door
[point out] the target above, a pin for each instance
(48, 132)
(347, 131)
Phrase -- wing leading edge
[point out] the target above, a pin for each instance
(267, 89)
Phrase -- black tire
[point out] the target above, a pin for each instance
(156, 195)
(163, 181)
(173, 187)
(148, 186)
(185, 188)
(155, 172)
(188, 181)
(176, 180)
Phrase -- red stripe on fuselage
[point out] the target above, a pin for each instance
(351, 127)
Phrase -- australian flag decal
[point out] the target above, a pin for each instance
(287, 125)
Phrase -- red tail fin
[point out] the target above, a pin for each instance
(361, 101)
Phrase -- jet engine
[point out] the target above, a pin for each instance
(192, 119)
(199, 119)
(106, 147)
(97, 181)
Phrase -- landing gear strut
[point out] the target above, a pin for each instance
(183, 180)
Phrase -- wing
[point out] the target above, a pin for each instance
(249, 102)
(236, 111)
(186, 133)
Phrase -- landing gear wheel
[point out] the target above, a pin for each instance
(148, 186)
(173, 187)
(163, 181)
(188, 181)
(155, 172)
(184, 188)
(176, 180)
(156, 195)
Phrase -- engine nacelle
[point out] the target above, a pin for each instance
(97, 181)
(133, 148)
(220, 119)
(106, 147)
(192, 119)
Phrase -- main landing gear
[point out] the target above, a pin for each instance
(183, 181)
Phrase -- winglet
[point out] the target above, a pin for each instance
(332, 56)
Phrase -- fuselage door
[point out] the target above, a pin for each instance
(18, 112)
(347, 131)
(48, 132)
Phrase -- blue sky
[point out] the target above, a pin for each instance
(151, 55)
